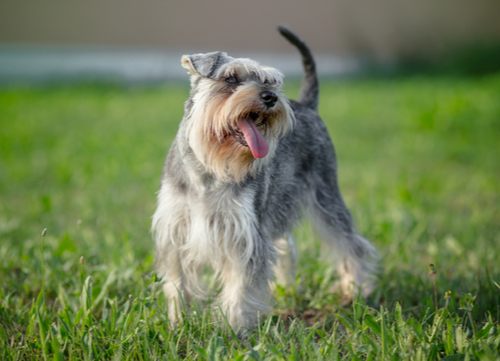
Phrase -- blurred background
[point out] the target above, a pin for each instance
(135, 40)
(92, 93)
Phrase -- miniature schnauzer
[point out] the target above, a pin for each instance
(245, 165)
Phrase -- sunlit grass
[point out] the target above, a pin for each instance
(418, 166)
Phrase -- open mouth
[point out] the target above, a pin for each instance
(239, 137)
(247, 133)
(258, 118)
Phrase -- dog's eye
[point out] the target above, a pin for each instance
(232, 79)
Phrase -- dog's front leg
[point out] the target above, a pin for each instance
(246, 286)
(174, 286)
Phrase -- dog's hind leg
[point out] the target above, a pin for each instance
(357, 258)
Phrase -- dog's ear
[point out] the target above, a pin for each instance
(204, 65)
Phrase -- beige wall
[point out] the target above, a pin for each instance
(383, 28)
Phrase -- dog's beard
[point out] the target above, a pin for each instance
(235, 133)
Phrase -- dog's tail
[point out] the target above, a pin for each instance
(309, 89)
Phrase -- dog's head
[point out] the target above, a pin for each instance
(237, 115)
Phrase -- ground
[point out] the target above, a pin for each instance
(418, 166)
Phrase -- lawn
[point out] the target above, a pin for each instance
(419, 166)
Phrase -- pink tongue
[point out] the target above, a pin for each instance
(255, 140)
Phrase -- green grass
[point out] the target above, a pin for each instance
(419, 167)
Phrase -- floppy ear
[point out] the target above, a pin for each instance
(204, 65)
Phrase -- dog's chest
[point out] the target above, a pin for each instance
(217, 222)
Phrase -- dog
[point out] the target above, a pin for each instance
(245, 166)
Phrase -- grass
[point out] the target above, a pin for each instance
(419, 168)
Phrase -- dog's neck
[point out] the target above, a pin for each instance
(196, 175)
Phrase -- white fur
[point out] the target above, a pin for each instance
(286, 264)
(220, 236)
(356, 273)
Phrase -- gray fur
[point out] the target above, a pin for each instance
(309, 94)
(299, 177)
(207, 64)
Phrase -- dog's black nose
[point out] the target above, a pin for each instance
(269, 98)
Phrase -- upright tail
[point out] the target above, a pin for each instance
(309, 89)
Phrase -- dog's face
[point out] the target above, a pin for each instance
(237, 115)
